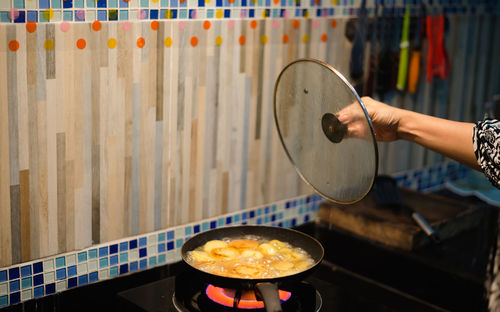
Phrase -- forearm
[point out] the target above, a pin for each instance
(450, 138)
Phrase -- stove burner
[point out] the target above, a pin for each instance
(242, 299)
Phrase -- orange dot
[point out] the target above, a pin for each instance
(276, 1)
(285, 38)
(324, 37)
(96, 26)
(241, 40)
(155, 25)
(141, 42)
(31, 26)
(81, 43)
(182, 1)
(231, 1)
(334, 23)
(253, 24)
(296, 24)
(194, 41)
(13, 45)
(126, 0)
(206, 25)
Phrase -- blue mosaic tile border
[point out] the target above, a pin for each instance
(43, 277)
(432, 177)
(22, 11)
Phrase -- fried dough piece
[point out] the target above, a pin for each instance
(224, 253)
(252, 254)
(283, 265)
(214, 244)
(201, 256)
(267, 249)
(244, 244)
(248, 270)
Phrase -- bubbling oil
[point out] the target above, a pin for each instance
(250, 257)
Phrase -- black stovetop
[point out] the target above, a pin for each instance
(340, 290)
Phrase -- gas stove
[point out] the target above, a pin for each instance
(329, 288)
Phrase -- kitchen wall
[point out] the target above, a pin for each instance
(119, 119)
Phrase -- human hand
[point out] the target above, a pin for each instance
(385, 120)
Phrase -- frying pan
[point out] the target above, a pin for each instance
(266, 287)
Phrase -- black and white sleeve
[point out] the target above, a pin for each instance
(486, 139)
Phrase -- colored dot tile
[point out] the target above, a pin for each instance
(3, 276)
(123, 15)
(188, 230)
(50, 288)
(55, 4)
(152, 239)
(229, 220)
(152, 250)
(142, 241)
(213, 224)
(220, 222)
(161, 237)
(26, 270)
(13, 273)
(38, 292)
(103, 274)
(196, 229)
(15, 298)
(93, 277)
(83, 280)
(60, 274)
(178, 243)
(26, 283)
(14, 286)
(4, 289)
(237, 218)
(72, 282)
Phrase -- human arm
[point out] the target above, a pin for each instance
(450, 138)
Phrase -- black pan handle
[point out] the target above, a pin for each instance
(270, 296)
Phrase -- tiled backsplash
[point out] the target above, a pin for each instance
(47, 276)
(100, 262)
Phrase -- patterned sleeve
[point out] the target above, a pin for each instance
(486, 139)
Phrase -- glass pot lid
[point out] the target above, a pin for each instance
(338, 159)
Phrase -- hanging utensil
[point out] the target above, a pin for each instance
(395, 39)
(356, 64)
(437, 56)
(382, 83)
(416, 54)
(403, 56)
(372, 67)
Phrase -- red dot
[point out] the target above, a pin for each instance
(253, 24)
(194, 41)
(31, 26)
(13, 45)
(81, 43)
(241, 40)
(334, 23)
(296, 24)
(324, 37)
(206, 25)
(96, 26)
(141, 42)
(285, 38)
(155, 25)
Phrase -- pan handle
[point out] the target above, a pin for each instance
(270, 295)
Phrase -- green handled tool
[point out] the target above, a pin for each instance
(405, 48)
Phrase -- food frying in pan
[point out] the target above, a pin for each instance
(250, 257)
